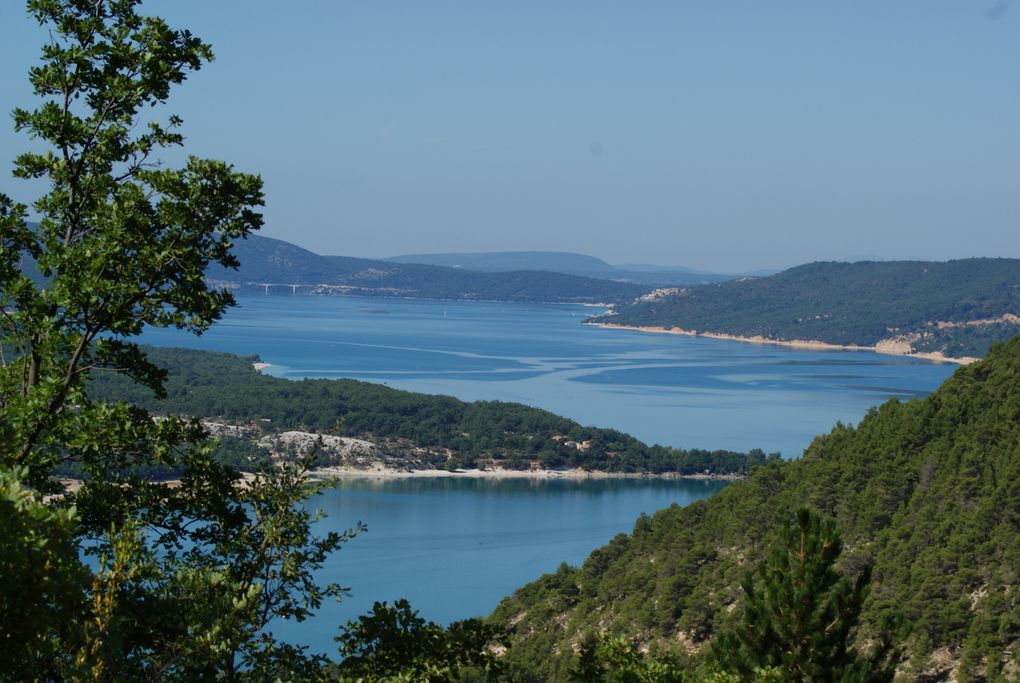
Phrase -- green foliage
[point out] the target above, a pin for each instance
(850, 303)
(254, 564)
(799, 612)
(187, 576)
(767, 675)
(798, 617)
(121, 243)
(226, 387)
(616, 660)
(42, 582)
(394, 643)
(926, 492)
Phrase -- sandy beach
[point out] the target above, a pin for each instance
(889, 347)
(261, 366)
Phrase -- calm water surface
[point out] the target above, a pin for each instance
(668, 389)
(456, 547)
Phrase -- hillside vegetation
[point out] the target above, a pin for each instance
(410, 429)
(926, 492)
(272, 266)
(958, 308)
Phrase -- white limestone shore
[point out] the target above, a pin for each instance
(890, 347)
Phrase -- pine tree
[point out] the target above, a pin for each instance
(800, 613)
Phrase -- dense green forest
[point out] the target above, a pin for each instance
(927, 494)
(417, 430)
(265, 261)
(853, 303)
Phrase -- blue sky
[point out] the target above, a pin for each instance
(727, 136)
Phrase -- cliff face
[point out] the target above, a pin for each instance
(928, 492)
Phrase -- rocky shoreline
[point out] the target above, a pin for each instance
(890, 347)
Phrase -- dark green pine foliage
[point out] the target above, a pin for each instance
(617, 660)
(36, 551)
(393, 643)
(800, 611)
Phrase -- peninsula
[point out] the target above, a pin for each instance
(355, 428)
(950, 311)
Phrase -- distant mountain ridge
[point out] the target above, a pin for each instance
(508, 260)
(956, 308)
(567, 262)
(271, 266)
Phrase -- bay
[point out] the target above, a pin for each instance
(680, 391)
(455, 547)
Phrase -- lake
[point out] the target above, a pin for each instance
(679, 391)
(455, 547)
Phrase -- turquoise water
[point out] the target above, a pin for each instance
(456, 547)
(668, 389)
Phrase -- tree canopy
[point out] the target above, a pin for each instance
(123, 578)
(800, 613)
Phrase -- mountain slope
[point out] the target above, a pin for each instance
(957, 307)
(276, 267)
(555, 261)
(927, 491)
(563, 262)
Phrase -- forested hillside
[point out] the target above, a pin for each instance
(277, 267)
(926, 492)
(414, 430)
(957, 307)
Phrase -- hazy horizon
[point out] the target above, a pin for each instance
(722, 137)
(853, 258)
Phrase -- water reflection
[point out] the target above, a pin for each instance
(456, 546)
